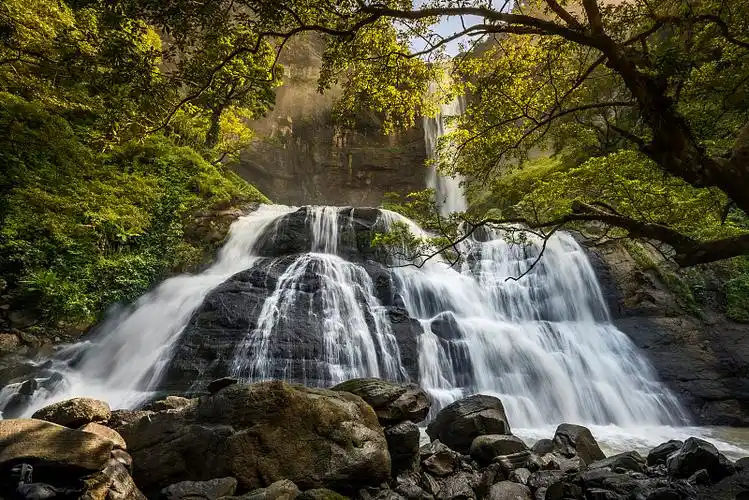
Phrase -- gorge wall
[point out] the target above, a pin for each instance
(301, 157)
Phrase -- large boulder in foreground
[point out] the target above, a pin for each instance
(459, 423)
(75, 413)
(392, 402)
(697, 454)
(40, 442)
(571, 440)
(262, 433)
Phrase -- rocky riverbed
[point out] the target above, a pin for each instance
(360, 439)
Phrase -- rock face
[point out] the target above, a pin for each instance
(259, 434)
(705, 359)
(75, 412)
(459, 423)
(300, 156)
(298, 346)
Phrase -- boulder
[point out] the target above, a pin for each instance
(403, 445)
(513, 461)
(105, 432)
(438, 459)
(74, 413)
(508, 490)
(392, 402)
(459, 423)
(487, 448)
(216, 385)
(168, 403)
(262, 433)
(280, 490)
(520, 475)
(457, 487)
(201, 490)
(543, 446)
(571, 440)
(37, 441)
(660, 453)
(544, 478)
(698, 454)
(112, 483)
(408, 486)
(627, 461)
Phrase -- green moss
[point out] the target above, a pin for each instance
(81, 230)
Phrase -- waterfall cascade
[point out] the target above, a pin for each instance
(544, 344)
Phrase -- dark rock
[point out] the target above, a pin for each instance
(627, 461)
(28, 388)
(168, 403)
(513, 461)
(570, 440)
(599, 494)
(742, 464)
(459, 423)
(544, 478)
(700, 477)
(259, 434)
(321, 494)
(408, 486)
(543, 446)
(438, 459)
(75, 412)
(520, 475)
(429, 484)
(457, 487)
(392, 402)
(491, 474)
(124, 458)
(486, 448)
(280, 490)
(608, 480)
(208, 490)
(403, 445)
(698, 454)
(220, 383)
(563, 490)
(660, 453)
(507, 490)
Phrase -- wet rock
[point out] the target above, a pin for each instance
(700, 477)
(207, 490)
(106, 433)
(218, 384)
(698, 454)
(168, 403)
(627, 461)
(262, 433)
(44, 442)
(544, 478)
(74, 413)
(599, 494)
(543, 446)
(459, 423)
(392, 402)
(571, 440)
(403, 445)
(490, 475)
(608, 480)
(487, 448)
(28, 387)
(563, 490)
(513, 461)
(660, 453)
(742, 464)
(555, 461)
(507, 490)
(438, 459)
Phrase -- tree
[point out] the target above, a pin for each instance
(666, 79)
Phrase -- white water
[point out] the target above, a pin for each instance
(543, 344)
(124, 361)
(448, 191)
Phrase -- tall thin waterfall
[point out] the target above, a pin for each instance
(448, 191)
(544, 344)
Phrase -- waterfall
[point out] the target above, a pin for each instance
(544, 344)
(448, 191)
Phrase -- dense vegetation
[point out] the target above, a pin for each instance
(102, 166)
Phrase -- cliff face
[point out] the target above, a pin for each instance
(704, 359)
(301, 157)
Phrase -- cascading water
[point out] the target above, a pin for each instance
(448, 191)
(544, 344)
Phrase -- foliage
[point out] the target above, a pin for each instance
(81, 229)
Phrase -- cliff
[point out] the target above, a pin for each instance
(301, 157)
